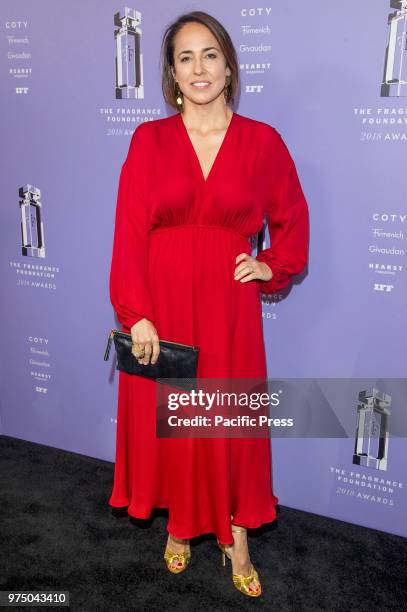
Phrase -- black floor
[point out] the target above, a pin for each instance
(57, 532)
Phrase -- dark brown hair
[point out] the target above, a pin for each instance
(167, 54)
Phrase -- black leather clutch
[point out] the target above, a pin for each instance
(175, 361)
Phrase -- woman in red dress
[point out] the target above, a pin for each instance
(193, 189)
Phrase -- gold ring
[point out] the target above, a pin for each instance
(137, 350)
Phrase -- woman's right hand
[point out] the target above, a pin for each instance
(145, 335)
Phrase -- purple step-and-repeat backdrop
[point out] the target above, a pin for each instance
(332, 78)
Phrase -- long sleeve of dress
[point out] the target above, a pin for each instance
(129, 281)
(288, 222)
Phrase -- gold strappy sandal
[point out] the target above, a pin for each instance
(182, 560)
(242, 583)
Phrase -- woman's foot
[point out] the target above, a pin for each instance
(240, 557)
(180, 549)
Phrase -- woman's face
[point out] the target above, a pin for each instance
(199, 64)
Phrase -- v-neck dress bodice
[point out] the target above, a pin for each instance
(176, 240)
(234, 194)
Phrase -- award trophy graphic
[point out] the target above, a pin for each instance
(129, 59)
(395, 65)
(258, 241)
(372, 431)
(32, 228)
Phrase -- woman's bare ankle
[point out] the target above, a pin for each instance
(177, 544)
(239, 552)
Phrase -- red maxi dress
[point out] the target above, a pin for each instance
(176, 239)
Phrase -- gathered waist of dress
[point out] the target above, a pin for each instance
(169, 228)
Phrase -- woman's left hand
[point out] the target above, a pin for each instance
(249, 268)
